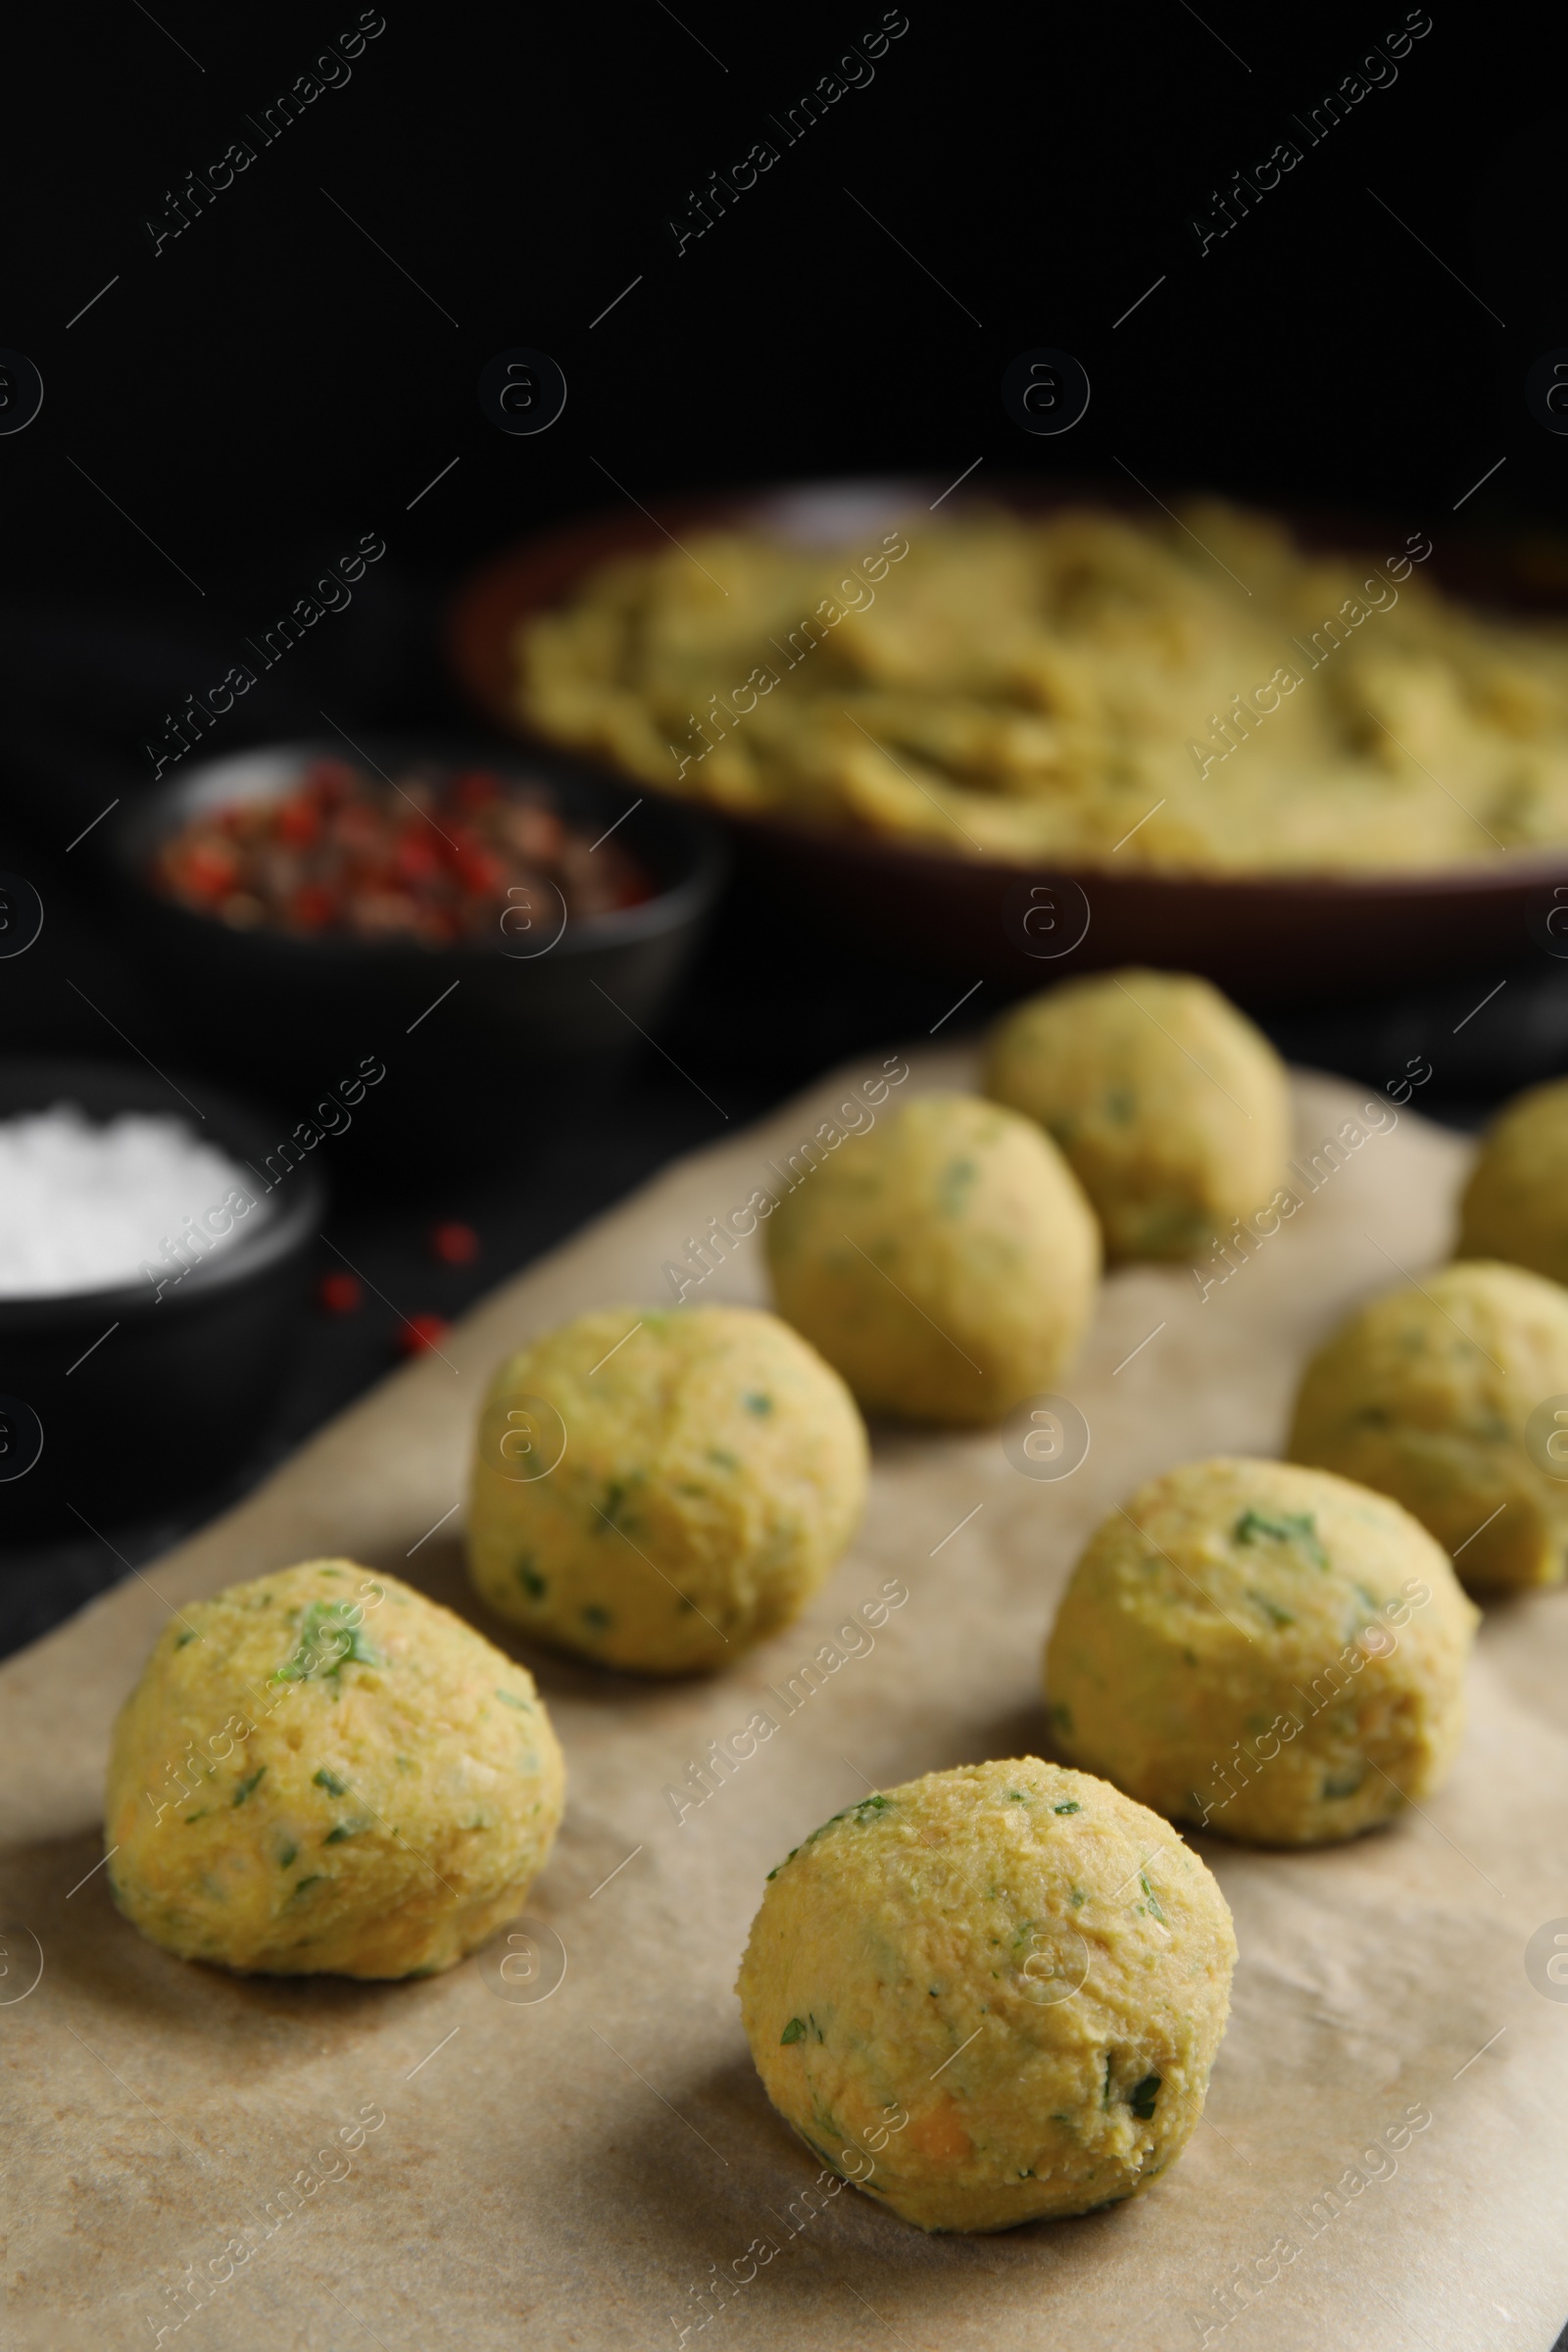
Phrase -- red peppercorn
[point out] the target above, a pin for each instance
(210, 869)
(340, 1294)
(299, 821)
(475, 789)
(313, 905)
(480, 870)
(455, 1245)
(329, 781)
(418, 854)
(359, 826)
(422, 1332)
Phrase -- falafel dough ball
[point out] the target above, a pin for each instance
(715, 1469)
(945, 1262)
(1172, 1110)
(1427, 1394)
(990, 1995)
(323, 1772)
(1515, 1205)
(1265, 1652)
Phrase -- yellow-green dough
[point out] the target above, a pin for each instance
(990, 1995)
(1428, 1395)
(1171, 1108)
(714, 1468)
(945, 1262)
(323, 1772)
(1262, 1650)
(1515, 1205)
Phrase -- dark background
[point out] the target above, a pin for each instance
(270, 377)
(240, 406)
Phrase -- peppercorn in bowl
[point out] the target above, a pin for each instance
(308, 899)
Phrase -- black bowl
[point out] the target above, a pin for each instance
(146, 1397)
(463, 1029)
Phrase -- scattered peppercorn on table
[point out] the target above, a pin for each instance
(563, 2138)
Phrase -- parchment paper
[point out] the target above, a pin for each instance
(586, 2169)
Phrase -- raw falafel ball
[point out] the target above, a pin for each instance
(1515, 1205)
(1172, 1110)
(323, 1772)
(712, 1470)
(945, 1262)
(1262, 1650)
(990, 1995)
(1435, 1394)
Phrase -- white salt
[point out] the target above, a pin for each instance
(86, 1207)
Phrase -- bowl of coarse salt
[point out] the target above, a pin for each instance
(153, 1276)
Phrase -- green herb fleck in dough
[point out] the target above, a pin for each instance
(1061, 1713)
(794, 2030)
(1153, 1900)
(285, 1860)
(596, 1617)
(1271, 1609)
(723, 1457)
(1290, 1527)
(954, 1185)
(345, 1829)
(180, 1640)
(245, 1787)
(1017, 1797)
(867, 1805)
(202, 1814)
(331, 1782)
(756, 1402)
(1141, 2098)
(511, 1699)
(1120, 1103)
(1346, 1783)
(300, 1885)
(1071, 1806)
(1076, 1897)
(529, 1578)
(328, 1644)
(615, 1496)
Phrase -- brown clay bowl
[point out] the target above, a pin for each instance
(1269, 939)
